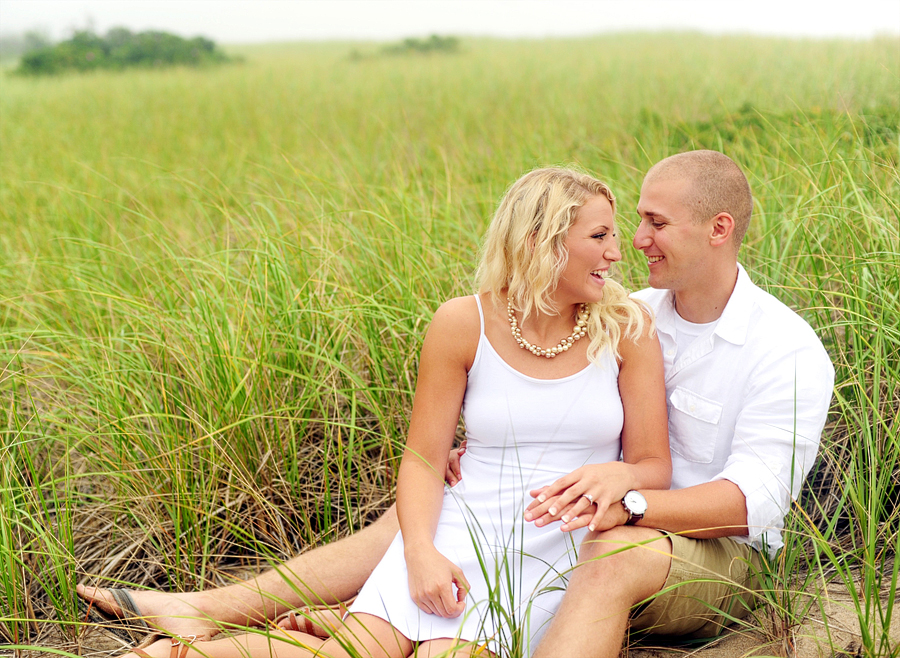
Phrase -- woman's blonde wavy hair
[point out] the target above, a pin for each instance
(524, 254)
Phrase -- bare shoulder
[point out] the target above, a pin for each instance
(458, 314)
(456, 328)
(643, 345)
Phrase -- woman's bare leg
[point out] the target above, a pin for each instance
(369, 636)
(362, 635)
(328, 574)
(447, 648)
(283, 644)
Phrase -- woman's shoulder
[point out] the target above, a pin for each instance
(638, 333)
(457, 326)
(459, 312)
(639, 343)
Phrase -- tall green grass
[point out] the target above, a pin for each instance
(215, 284)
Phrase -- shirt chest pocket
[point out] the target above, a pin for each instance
(693, 425)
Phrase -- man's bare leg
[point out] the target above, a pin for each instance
(328, 574)
(593, 616)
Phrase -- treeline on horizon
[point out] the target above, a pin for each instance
(120, 48)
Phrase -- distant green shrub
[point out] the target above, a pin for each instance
(16, 45)
(120, 49)
(432, 44)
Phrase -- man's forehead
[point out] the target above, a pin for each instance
(660, 182)
(656, 190)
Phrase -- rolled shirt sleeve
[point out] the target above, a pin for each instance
(747, 402)
(776, 436)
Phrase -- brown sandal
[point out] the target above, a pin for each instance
(180, 647)
(318, 621)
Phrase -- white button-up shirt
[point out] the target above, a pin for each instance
(747, 402)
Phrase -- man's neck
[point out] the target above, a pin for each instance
(705, 303)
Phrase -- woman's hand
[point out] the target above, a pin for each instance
(454, 473)
(432, 578)
(587, 496)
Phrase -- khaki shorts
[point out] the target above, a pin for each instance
(711, 582)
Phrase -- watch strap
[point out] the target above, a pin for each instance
(633, 518)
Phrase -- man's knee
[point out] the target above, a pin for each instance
(380, 532)
(636, 558)
(389, 518)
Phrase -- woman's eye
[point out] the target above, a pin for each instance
(600, 236)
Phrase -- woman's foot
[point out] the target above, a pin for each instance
(171, 614)
(320, 621)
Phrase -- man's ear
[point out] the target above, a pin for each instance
(721, 229)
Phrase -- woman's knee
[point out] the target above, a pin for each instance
(368, 635)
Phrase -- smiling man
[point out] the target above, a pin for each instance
(748, 386)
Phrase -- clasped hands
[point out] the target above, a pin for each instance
(588, 496)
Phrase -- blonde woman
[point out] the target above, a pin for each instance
(553, 367)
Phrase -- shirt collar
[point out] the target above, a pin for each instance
(734, 321)
(665, 314)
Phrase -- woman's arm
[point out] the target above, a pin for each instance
(447, 355)
(647, 462)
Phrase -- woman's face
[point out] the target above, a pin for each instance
(592, 247)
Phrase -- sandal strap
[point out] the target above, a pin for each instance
(181, 644)
(300, 621)
(128, 608)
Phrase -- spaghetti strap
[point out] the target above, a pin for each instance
(480, 312)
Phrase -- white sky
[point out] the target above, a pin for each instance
(245, 21)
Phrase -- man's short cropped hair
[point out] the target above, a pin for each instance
(717, 185)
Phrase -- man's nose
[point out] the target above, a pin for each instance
(641, 236)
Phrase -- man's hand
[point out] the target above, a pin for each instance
(436, 584)
(454, 474)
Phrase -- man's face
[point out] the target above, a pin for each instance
(676, 248)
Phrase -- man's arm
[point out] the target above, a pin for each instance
(776, 437)
(704, 511)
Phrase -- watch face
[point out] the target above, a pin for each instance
(636, 502)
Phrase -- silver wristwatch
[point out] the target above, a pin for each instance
(636, 506)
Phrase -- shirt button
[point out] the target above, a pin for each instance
(693, 408)
(671, 353)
